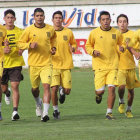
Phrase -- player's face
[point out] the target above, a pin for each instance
(57, 20)
(39, 18)
(105, 22)
(9, 19)
(122, 24)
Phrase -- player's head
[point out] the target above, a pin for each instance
(57, 18)
(39, 16)
(122, 22)
(9, 17)
(105, 20)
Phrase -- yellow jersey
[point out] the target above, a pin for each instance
(45, 38)
(126, 58)
(106, 43)
(2, 37)
(13, 59)
(63, 57)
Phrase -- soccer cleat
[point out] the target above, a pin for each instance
(98, 99)
(15, 116)
(62, 95)
(56, 114)
(0, 116)
(39, 109)
(8, 98)
(128, 114)
(121, 108)
(45, 117)
(109, 116)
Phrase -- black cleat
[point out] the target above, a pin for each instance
(109, 116)
(56, 114)
(45, 118)
(98, 99)
(62, 95)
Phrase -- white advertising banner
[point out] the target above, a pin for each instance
(79, 18)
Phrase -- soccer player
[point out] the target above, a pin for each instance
(40, 40)
(13, 62)
(126, 73)
(62, 62)
(2, 37)
(102, 46)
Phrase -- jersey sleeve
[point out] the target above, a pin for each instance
(53, 39)
(73, 41)
(90, 44)
(23, 42)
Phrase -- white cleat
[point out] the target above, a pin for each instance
(39, 109)
(44, 117)
(15, 116)
(8, 99)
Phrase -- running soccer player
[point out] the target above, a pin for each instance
(2, 37)
(62, 62)
(40, 40)
(102, 46)
(13, 62)
(126, 74)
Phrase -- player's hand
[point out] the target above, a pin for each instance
(6, 43)
(7, 50)
(53, 50)
(33, 45)
(20, 52)
(96, 53)
(121, 48)
(72, 49)
(137, 55)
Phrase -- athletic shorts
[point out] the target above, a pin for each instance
(1, 69)
(43, 74)
(128, 78)
(12, 74)
(61, 77)
(105, 77)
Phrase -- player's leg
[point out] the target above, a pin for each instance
(129, 103)
(35, 82)
(122, 75)
(15, 96)
(46, 77)
(54, 89)
(66, 83)
(15, 76)
(99, 80)
(111, 81)
(4, 86)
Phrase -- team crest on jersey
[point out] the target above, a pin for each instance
(1, 34)
(127, 40)
(101, 36)
(48, 34)
(113, 36)
(65, 38)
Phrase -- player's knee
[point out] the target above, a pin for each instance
(35, 92)
(55, 89)
(67, 91)
(122, 87)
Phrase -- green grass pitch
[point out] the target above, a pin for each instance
(81, 117)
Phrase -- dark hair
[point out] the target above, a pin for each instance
(9, 11)
(103, 13)
(122, 15)
(38, 10)
(57, 12)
